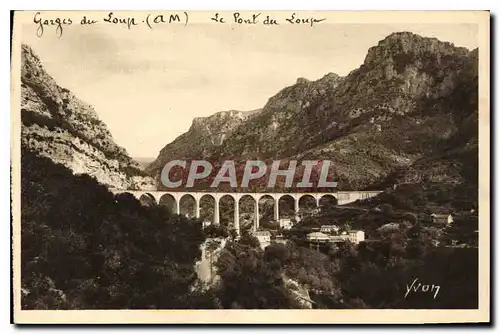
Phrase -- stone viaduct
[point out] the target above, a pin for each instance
(340, 198)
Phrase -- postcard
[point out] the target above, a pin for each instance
(237, 167)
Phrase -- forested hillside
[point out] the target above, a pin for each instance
(83, 248)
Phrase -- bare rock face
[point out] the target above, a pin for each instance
(203, 139)
(413, 97)
(57, 125)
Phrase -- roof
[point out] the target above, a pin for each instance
(441, 215)
(334, 226)
(262, 233)
(317, 235)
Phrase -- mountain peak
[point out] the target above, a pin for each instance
(302, 81)
(330, 77)
(405, 42)
(218, 116)
(401, 35)
(407, 38)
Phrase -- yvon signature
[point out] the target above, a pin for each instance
(424, 288)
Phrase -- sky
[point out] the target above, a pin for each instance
(148, 85)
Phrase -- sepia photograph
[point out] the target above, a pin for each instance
(226, 166)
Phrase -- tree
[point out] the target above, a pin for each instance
(247, 280)
(277, 254)
(249, 240)
(411, 217)
(387, 209)
(233, 234)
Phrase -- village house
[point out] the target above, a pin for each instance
(354, 236)
(337, 238)
(206, 223)
(264, 238)
(329, 228)
(318, 237)
(286, 223)
(444, 219)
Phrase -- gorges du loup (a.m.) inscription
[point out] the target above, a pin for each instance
(44, 21)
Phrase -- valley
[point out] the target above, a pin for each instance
(398, 136)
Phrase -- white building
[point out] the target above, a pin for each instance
(356, 236)
(338, 238)
(329, 228)
(264, 238)
(318, 237)
(442, 218)
(286, 223)
(206, 223)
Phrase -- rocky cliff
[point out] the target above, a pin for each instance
(57, 125)
(204, 137)
(408, 112)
